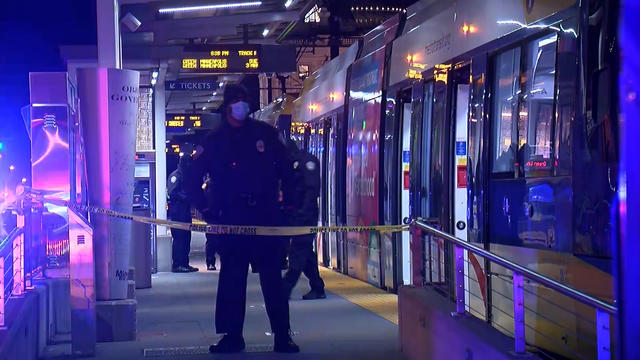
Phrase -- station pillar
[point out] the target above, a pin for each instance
(109, 40)
(162, 254)
(109, 110)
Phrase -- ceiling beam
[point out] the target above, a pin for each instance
(214, 25)
(125, 2)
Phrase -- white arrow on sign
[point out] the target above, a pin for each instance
(172, 86)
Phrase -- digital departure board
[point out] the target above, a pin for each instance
(222, 59)
(182, 122)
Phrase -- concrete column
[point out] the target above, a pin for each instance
(109, 42)
(160, 144)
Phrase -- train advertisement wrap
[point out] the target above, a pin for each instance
(363, 165)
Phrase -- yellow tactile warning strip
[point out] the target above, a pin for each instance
(362, 294)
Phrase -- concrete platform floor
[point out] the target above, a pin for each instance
(175, 321)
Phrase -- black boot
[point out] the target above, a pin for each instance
(228, 344)
(284, 344)
(180, 269)
(314, 294)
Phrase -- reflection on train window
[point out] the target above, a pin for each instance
(426, 141)
(523, 108)
(506, 85)
(535, 116)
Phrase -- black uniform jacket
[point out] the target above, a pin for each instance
(302, 192)
(178, 201)
(246, 165)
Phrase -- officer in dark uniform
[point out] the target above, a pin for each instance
(180, 210)
(246, 160)
(302, 194)
(211, 246)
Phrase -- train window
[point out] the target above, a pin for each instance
(437, 186)
(505, 101)
(535, 113)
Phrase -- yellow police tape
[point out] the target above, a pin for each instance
(224, 229)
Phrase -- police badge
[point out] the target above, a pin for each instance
(260, 145)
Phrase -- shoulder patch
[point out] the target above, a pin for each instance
(310, 165)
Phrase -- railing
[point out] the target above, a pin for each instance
(20, 260)
(424, 237)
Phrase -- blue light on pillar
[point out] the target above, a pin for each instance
(628, 245)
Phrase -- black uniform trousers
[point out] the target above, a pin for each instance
(302, 258)
(211, 248)
(181, 244)
(263, 253)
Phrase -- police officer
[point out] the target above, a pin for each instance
(180, 210)
(302, 200)
(246, 161)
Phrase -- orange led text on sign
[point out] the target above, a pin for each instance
(195, 120)
(251, 63)
(175, 123)
(189, 63)
(219, 53)
(214, 63)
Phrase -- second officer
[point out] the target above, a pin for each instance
(301, 194)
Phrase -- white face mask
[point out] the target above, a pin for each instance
(240, 110)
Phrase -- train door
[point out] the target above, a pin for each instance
(390, 259)
(405, 107)
(323, 156)
(317, 149)
(340, 131)
(331, 184)
(458, 170)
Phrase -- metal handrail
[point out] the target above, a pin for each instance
(530, 274)
(17, 231)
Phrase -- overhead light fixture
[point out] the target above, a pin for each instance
(265, 32)
(288, 3)
(153, 81)
(154, 75)
(210, 7)
(221, 84)
(214, 93)
(204, 108)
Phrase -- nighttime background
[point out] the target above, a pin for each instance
(30, 35)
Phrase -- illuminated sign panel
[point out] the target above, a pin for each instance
(222, 59)
(238, 59)
(180, 123)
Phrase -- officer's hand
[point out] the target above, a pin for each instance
(197, 152)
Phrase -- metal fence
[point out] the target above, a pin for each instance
(22, 258)
(536, 310)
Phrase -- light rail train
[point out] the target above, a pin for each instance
(494, 120)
